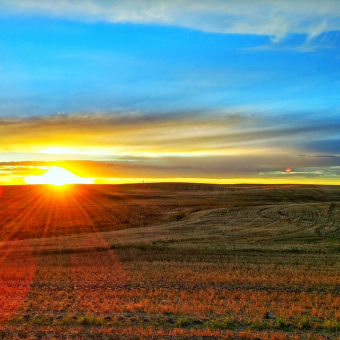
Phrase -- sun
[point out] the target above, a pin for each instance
(57, 176)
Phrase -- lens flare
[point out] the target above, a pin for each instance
(57, 176)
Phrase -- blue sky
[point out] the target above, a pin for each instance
(78, 73)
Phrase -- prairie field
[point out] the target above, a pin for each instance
(170, 261)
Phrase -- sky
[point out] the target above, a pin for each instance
(203, 91)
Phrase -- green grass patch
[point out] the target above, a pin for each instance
(260, 325)
(225, 323)
(304, 323)
(88, 320)
(331, 326)
(40, 320)
(281, 323)
(67, 320)
(185, 322)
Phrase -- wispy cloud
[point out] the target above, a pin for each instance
(189, 134)
(222, 167)
(192, 145)
(311, 172)
(273, 18)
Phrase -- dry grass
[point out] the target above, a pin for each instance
(191, 262)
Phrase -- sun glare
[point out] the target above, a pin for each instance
(57, 176)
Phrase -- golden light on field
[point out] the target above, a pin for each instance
(57, 176)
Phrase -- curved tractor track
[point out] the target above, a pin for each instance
(269, 221)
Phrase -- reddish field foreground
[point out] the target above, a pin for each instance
(170, 261)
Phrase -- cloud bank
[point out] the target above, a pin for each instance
(192, 145)
(275, 18)
(171, 134)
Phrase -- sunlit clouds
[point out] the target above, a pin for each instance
(268, 17)
(148, 135)
(195, 146)
(124, 91)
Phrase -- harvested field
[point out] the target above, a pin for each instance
(170, 261)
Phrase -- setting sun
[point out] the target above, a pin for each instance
(57, 176)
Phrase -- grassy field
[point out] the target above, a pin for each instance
(170, 261)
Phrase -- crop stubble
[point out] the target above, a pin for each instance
(170, 261)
